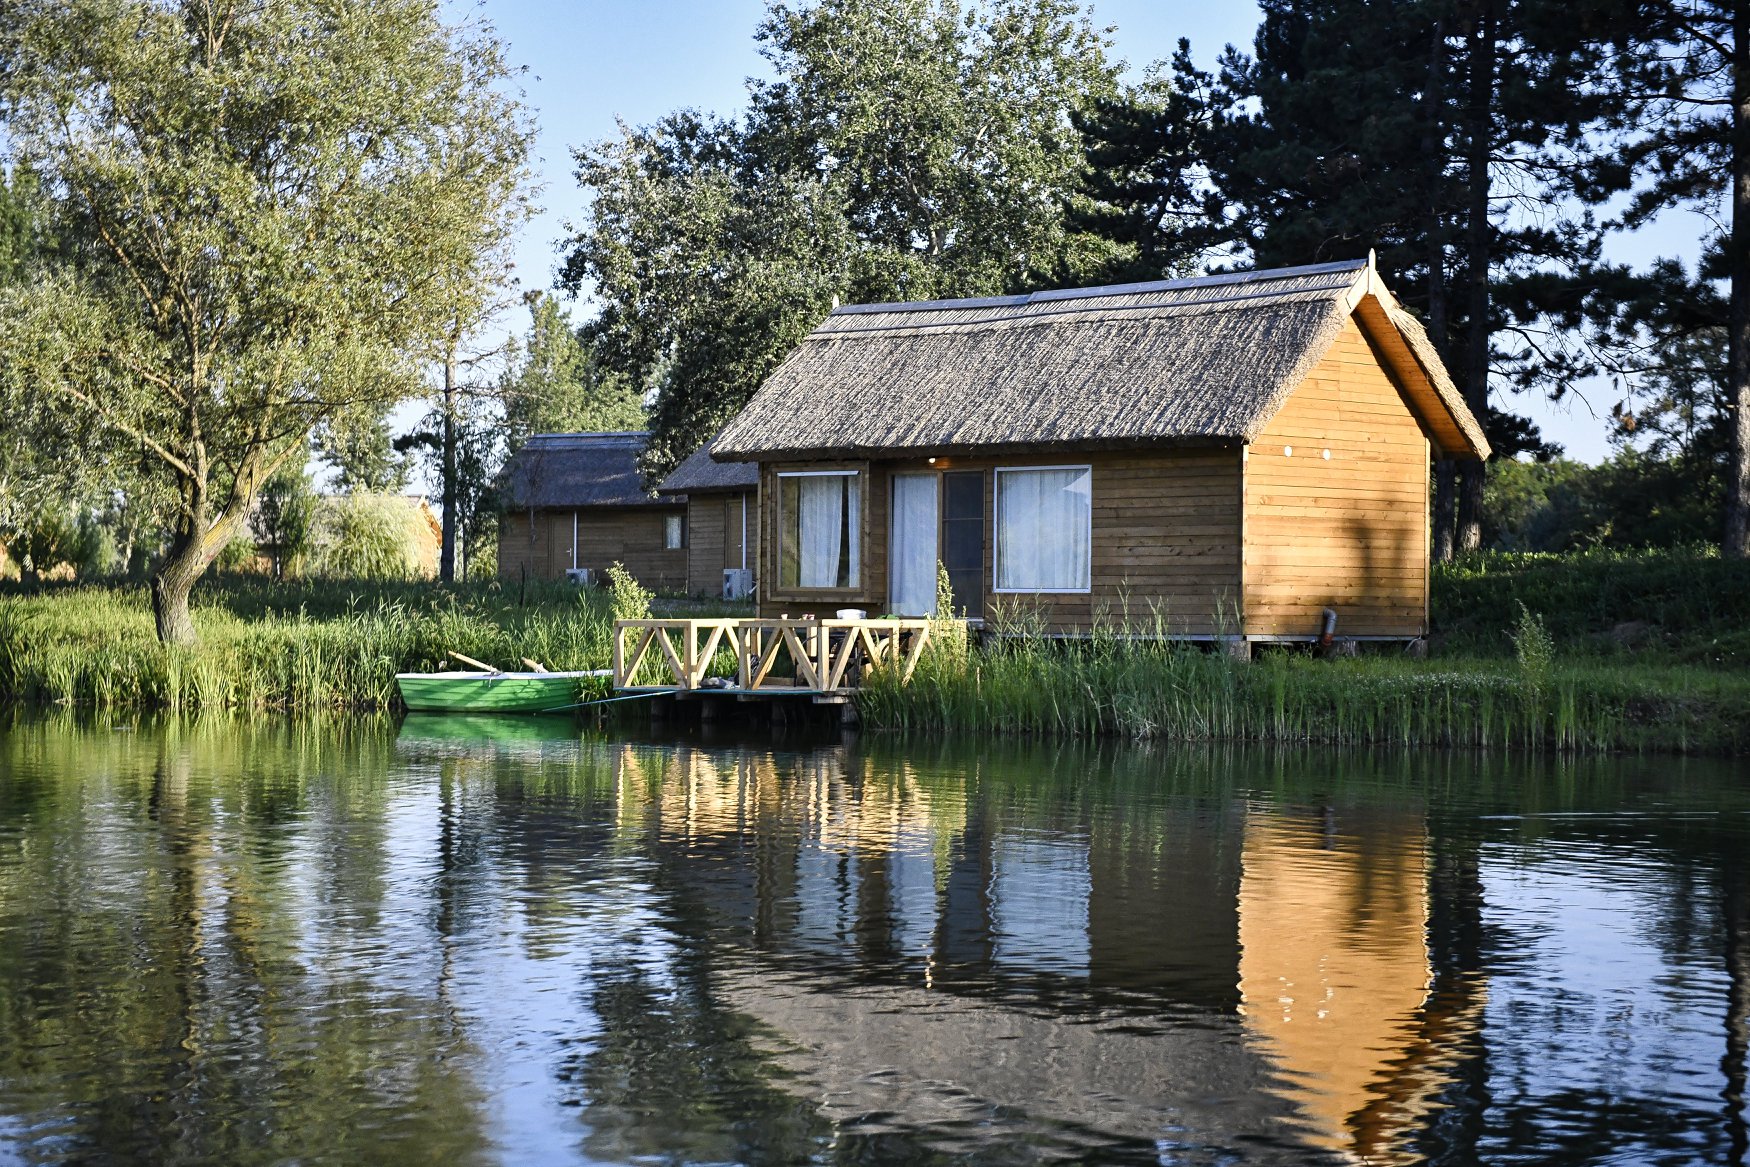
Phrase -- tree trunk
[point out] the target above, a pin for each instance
(1445, 495)
(1476, 354)
(193, 550)
(447, 556)
(1439, 320)
(1737, 541)
(171, 585)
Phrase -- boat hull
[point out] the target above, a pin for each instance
(491, 692)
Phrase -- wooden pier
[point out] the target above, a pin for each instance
(823, 660)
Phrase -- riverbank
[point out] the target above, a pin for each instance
(292, 646)
(1143, 689)
(1594, 652)
(1644, 653)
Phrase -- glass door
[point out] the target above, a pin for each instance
(912, 552)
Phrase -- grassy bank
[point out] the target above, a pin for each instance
(1590, 652)
(1644, 652)
(291, 646)
(1135, 688)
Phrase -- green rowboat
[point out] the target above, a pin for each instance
(495, 692)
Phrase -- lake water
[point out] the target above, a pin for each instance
(474, 942)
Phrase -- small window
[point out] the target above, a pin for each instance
(1044, 536)
(820, 517)
(674, 532)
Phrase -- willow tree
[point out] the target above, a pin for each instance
(266, 203)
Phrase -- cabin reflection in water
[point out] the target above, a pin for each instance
(1336, 975)
(1265, 967)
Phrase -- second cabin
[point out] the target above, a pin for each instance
(1227, 456)
(723, 522)
(575, 503)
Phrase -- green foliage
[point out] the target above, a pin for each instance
(555, 386)
(1145, 189)
(902, 150)
(1681, 605)
(285, 517)
(1630, 500)
(61, 535)
(266, 210)
(949, 641)
(305, 645)
(357, 446)
(1534, 649)
(366, 537)
(239, 554)
(627, 598)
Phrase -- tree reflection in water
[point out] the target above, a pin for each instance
(506, 941)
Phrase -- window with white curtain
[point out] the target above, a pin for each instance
(1044, 535)
(820, 517)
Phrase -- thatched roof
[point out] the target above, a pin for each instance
(578, 470)
(1181, 362)
(701, 474)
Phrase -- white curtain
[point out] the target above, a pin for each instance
(913, 557)
(1044, 518)
(826, 530)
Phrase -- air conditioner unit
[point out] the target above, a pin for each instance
(581, 576)
(737, 583)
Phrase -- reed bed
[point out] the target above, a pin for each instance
(339, 648)
(1111, 685)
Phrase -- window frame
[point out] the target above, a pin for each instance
(996, 532)
(679, 519)
(860, 474)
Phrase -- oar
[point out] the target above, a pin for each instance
(468, 660)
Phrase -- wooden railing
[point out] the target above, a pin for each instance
(826, 656)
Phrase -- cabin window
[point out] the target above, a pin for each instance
(1044, 536)
(820, 516)
(674, 532)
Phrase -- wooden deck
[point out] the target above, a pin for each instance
(822, 659)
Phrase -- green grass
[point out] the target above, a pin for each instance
(1681, 684)
(1615, 651)
(298, 646)
(1145, 689)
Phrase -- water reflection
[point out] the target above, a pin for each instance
(503, 942)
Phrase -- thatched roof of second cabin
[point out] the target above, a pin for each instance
(1182, 362)
(702, 474)
(563, 471)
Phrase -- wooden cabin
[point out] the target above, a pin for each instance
(1220, 457)
(722, 523)
(576, 503)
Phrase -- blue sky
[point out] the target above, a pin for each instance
(591, 62)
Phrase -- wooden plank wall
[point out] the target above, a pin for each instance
(714, 539)
(1166, 537)
(1349, 532)
(629, 535)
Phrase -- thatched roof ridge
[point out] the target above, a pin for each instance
(578, 470)
(1182, 362)
(701, 474)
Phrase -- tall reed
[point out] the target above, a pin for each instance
(96, 646)
(1142, 685)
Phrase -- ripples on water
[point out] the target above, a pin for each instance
(459, 942)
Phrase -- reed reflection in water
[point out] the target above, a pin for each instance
(500, 942)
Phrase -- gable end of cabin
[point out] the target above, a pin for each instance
(1336, 504)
